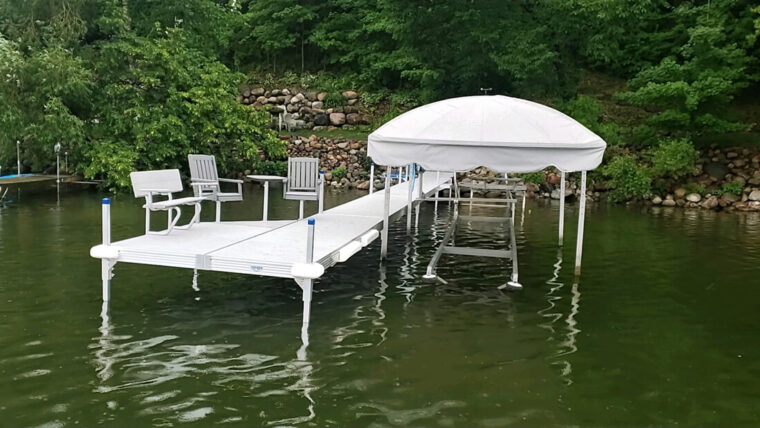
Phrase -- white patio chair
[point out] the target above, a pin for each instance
(206, 182)
(164, 182)
(304, 183)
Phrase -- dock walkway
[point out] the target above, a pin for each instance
(271, 248)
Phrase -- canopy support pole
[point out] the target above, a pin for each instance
(371, 178)
(419, 199)
(581, 218)
(410, 188)
(561, 206)
(106, 265)
(386, 212)
(307, 285)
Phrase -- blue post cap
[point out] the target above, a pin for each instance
(310, 221)
(371, 163)
(106, 201)
(321, 171)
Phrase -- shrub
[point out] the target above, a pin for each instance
(673, 158)
(537, 177)
(733, 188)
(270, 167)
(588, 112)
(334, 99)
(339, 172)
(627, 178)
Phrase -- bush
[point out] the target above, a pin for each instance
(334, 99)
(673, 158)
(269, 167)
(733, 188)
(537, 177)
(588, 112)
(339, 172)
(627, 178)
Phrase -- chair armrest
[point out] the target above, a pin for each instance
(158, 191)
(231, 180)
(202, 180)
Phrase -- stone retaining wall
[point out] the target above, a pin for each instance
(306, 109)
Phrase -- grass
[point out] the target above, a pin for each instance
(351, 134)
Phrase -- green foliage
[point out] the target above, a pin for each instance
(161, 101)
(334, 99)
(627, 178)
(673, 158)
(588, 112)
(272, 167)
(339, 172)
(537, 177)
(689, 91)
(732, 188)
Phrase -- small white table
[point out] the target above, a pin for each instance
(266, 179)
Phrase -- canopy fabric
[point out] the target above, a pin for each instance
(502, 133)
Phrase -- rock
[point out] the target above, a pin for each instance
(740, 163)
(321, 119)
(754, 195)
(321, 96)
(352, 102)
(693, 197)
(710, 203)
(715, 169)
(261, 100)
(679, 193)
(668, 203)
(350, 95)
(286, 91)
(337, 119)
(731, 155)
(532, 187)
(257, 92)
(246, 93)
(328, 175)
(292, 108)
(493, 194)
(317, 105)
(363, 185)
(553, 178)
(657, 200)
(272, 100)
(343, 145)
(353, 118)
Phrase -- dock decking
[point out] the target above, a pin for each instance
(270, 248)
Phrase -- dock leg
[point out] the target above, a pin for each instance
(306, 297)
(561, 206)
(420, 195)
(409, 206)
(218, 211)
(265, 214)
(300, 210)
(386, 213)
(106, 266)
(581, 218)
(321, 191)
(371, 178)
(106, 273)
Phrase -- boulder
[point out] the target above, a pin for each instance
(321, 119)
(261, 100)
(754, 195)
(363, 185)
(350, 95)
(657, 200)
(321, 96)
(740, 163)
(286, 91)
(352, 102)
(353, 118)
(317, 104)
(693, 197)
(272, 100)
(679, 193)
(710, 203)
(337, 119)
(257, 92)
(715, 169)
(553, 178)
(246, 93)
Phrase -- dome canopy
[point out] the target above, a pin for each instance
(502, 133)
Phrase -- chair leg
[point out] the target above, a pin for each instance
(218, 211)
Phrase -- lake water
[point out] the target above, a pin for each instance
(662, 329)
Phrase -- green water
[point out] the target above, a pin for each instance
(663, 328)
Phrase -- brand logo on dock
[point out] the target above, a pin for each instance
(257, 268)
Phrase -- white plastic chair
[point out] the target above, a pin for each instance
(304, 183)
(164, 182)
(206, 182)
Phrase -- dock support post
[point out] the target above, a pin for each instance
(410, 188)
(386, 212)
(420, 195)
(300, 210)
(371, 178)
(321, 190)
(18, 158)
(561, 206)
(265, 215)
(106, 266)
(218, 211)
(581, 218)
(307, 284)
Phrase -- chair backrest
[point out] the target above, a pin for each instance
(303, 173)
(164, 180)
(202, 167)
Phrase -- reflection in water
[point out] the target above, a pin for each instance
(552, 313)
(353, 329)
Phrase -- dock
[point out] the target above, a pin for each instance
(298, 249)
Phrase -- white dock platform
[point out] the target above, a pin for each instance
(270, 248)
